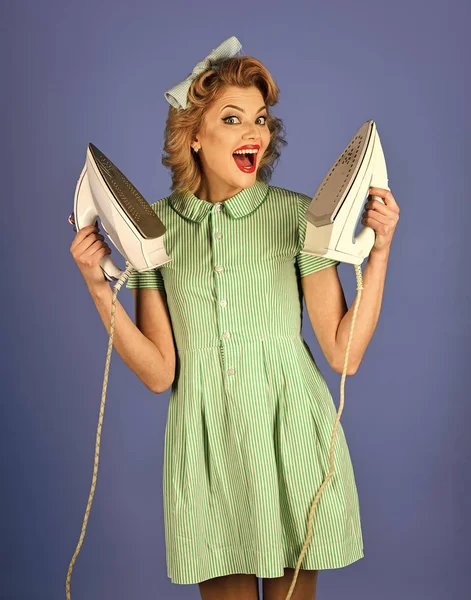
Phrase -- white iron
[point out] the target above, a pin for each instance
(127, 219)
(331, 221)
(136, 231)
(336, 209)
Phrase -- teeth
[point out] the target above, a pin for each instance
(245, 152)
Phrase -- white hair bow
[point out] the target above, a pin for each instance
(177, 95)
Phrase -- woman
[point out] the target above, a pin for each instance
(250, 417)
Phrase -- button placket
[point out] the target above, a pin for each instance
(218, 254)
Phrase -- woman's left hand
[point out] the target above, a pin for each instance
(382, 218)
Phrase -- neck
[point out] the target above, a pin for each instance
(216, 191)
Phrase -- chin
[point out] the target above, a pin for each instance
(245, 179)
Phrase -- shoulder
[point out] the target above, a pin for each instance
(160, 207)
(299, 200)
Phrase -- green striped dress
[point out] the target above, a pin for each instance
(250, 416)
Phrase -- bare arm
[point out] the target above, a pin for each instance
(368, 311)
(331, 319)
(150, 359)
(326, 305)
(153, 320)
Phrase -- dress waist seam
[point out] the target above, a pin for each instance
(247, 343)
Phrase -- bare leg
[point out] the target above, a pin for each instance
(276, 588)
(230, 587)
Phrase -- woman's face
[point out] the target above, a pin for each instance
(226, 129)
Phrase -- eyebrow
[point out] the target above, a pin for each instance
(241, 109)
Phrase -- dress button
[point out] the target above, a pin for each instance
(218, 268)
(230, 371)
(226, 335)
(223, 303)
(218, 235)
(219, 206)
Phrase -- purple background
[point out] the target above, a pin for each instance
(75, 72)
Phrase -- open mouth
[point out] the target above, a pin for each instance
(246, 161)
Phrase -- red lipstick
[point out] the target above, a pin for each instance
(244, 161)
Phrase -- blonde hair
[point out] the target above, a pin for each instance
(182, 125)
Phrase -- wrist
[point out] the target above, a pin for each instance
(98, 289)
(382, 254)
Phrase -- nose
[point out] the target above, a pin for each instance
(250, 131)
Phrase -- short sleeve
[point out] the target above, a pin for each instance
(146, 280)
(306, 262)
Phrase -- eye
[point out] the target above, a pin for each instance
(231, 117)
(227, 120)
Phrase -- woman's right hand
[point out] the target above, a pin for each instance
(87, 249)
